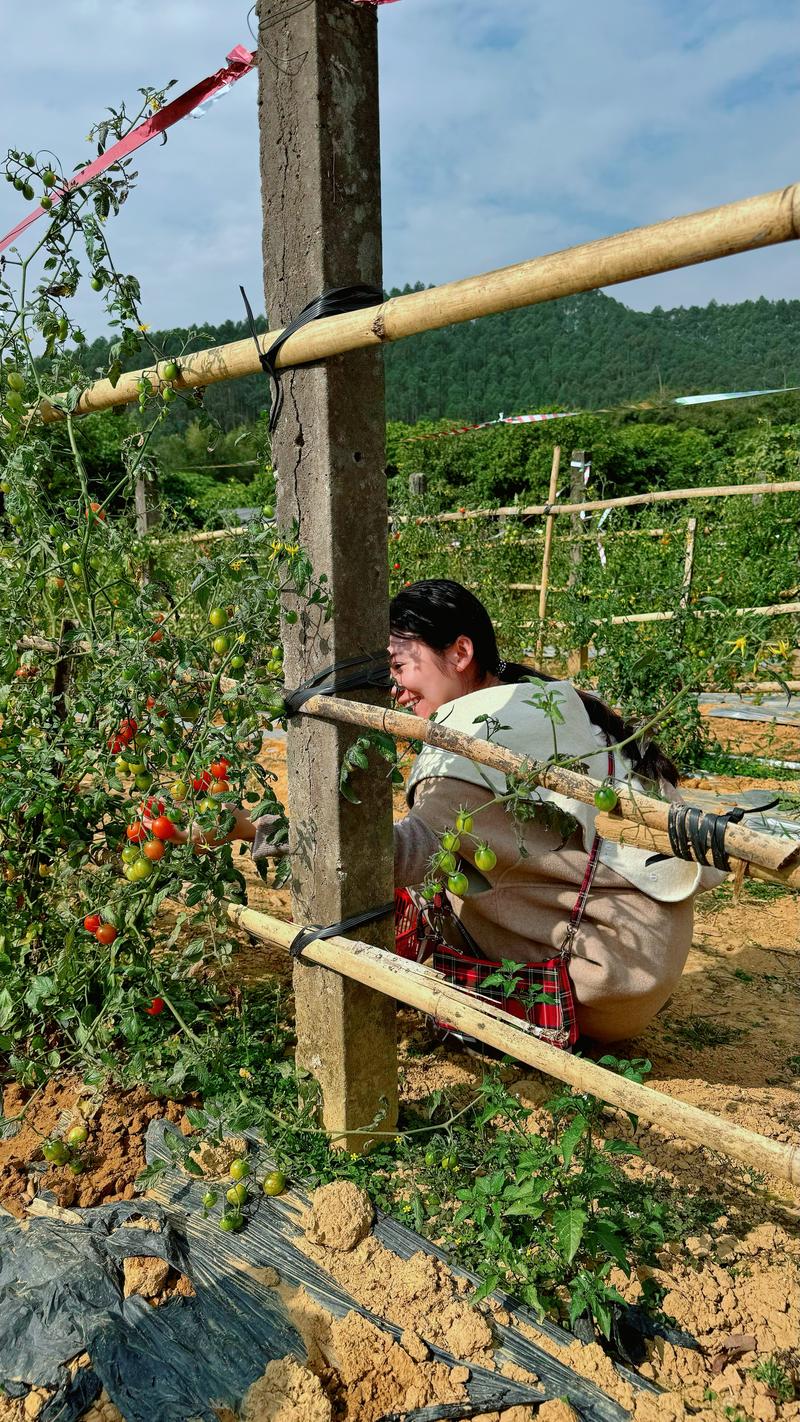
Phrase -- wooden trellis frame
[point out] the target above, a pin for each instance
(299, 113)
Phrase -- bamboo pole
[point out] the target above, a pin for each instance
(740, 842)
(688, 561)
(423, 988)
(775, 609)
(656, 841)
(627, 501)
(742, 226)
(548, 543)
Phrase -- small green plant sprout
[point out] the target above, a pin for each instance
(770, 1372)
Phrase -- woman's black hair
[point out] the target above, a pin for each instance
(437, 610)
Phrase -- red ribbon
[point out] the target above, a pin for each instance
(240, 62)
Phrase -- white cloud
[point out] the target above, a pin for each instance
(509, 128)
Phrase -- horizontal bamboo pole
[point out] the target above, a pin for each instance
(775, 609)
(627, 501)
(656, 841)
(767, 851)
(423, 988)
(753, 222)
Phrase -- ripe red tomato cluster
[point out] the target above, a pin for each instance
(212, 781)
(105, 933)
(123, 736)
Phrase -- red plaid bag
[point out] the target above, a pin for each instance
(542, 993)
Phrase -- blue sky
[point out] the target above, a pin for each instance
(509, 128)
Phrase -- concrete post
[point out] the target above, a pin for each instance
(320, 174)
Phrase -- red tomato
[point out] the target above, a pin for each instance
(163, 828)
(106, 934)
(153, 850)
(157, 1005)
(96, 509)
(219, 768)
(92, 922)
(136, 832)
(218, 787)
(156, 637)
(154, 807)
(127, 729)
(201, 782)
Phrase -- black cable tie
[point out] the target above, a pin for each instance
(693, 835)
(302, 939)
(335, 301)
(370, 672)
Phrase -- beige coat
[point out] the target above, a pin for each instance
(637, 926)
(631, 949)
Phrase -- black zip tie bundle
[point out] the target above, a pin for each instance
(370, 672)
(302, 939)
(336, 301)
(692, 834)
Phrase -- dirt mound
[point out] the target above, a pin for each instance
(339, 1216)
(287, 1392)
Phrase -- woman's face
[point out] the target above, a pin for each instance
(425, 679)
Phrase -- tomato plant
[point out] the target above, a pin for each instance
(117, 689)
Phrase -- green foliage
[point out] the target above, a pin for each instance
(118, 692)
(771, 1372)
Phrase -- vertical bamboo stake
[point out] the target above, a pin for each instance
(578, 659)
(688, 562)
(548, 544)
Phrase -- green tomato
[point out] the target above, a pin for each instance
(447, 862)
(221, 645)
(55, 1152)
(218, 617)
(239, 1169)
(485, 858)
(15, 381)
(15, 401)
(77, 1136)
(450, 841)
(130, 854)
(96, 283)
(140, 870)
(274, 1183)
(143, 781)
(458, 884)
(237, 1195)
(169, 370)
(464, 822)
(167, 394)
(210, 1199)
(49, 178)
(430, 1157)
(231, 1222)
(121, 765)
(237, 662)
(606, 797)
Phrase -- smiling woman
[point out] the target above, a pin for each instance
(503, 874)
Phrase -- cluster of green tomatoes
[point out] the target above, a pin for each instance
(238, 1196)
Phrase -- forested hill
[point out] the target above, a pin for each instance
(583, 352)
(590, 350)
